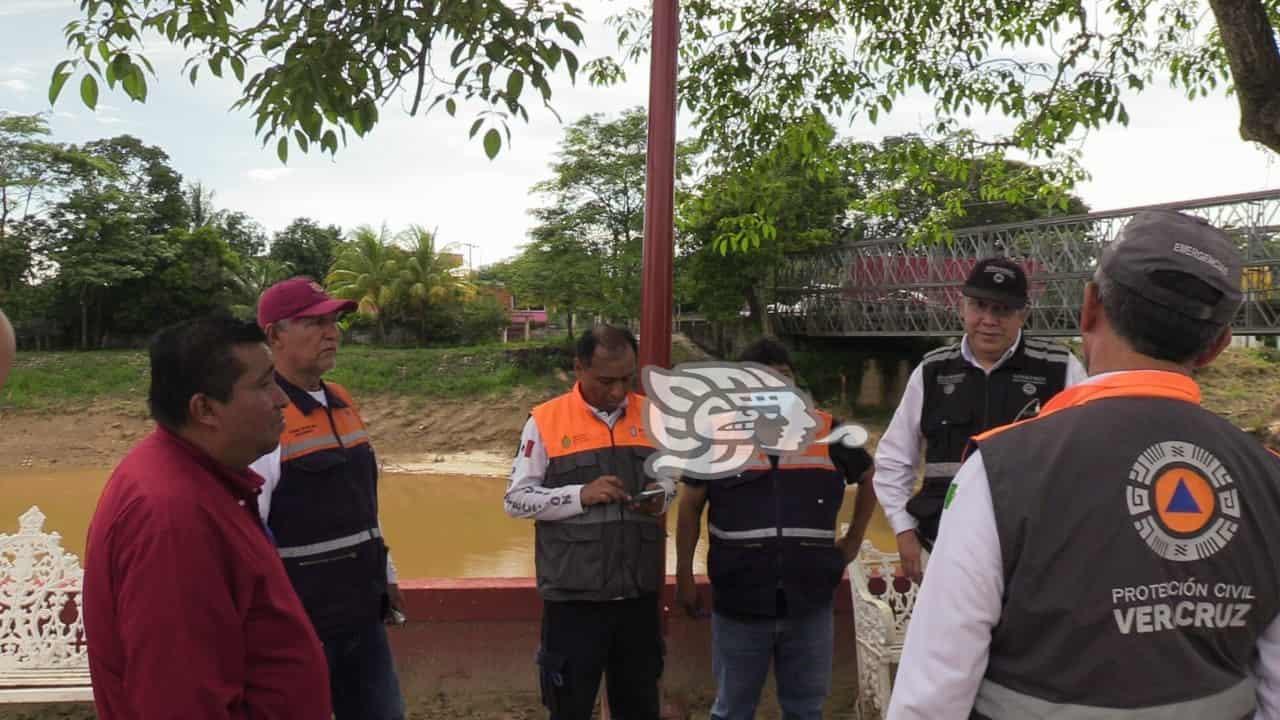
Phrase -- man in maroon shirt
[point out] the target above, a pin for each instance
(187, 608)
(8, 348)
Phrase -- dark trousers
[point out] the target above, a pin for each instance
(582, 639)
(362, 676)
(926, 507)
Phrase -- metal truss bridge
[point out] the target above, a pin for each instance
(891, 288)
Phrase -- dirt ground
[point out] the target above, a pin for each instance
(440, 707)
(409, 434)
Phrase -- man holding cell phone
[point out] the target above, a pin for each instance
(579, 473)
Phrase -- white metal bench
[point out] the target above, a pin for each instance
(882, 603)
(43, 656)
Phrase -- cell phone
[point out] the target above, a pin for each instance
(648, 495)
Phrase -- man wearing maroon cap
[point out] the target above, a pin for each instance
(320, 501)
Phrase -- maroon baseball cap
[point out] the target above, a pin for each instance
(297, 297)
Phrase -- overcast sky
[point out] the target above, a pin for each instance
(425, 171)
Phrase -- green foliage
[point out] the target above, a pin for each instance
(739, 224)
(306, 247)
(898, 197)
(242, 233)
(309, 70)
(585, 253)
(428, 282)
(366, 271)
(109, 229)
(483, 320)
(252, 278)
(197, 275)
(70, 381)
(750, 71)
(406, 280)
(557, 270)
(810, 191)
(104, 242)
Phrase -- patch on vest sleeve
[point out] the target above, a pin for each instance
(951, 495)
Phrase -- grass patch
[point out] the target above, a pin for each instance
(72, 380)
(1242, 385)
(58, 380)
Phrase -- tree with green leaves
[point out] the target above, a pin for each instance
(366, 270)
(244, 235)
(31, 172)
(1056, 70)
(27, 160)
(306, 247)
(110, 227)
(595, 200)
(252, 278)
(309, 70)
(427, 284)
(886, 204)
(558, 270)
(738, 224)
(196, 275)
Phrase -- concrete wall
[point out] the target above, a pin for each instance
(478, 636)
(468, 652)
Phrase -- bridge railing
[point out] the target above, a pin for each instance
(896, 288)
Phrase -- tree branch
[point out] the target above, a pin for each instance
(1250, 43)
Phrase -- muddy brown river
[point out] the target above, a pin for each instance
(437, 525)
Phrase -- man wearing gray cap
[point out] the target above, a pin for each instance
(1113, 557)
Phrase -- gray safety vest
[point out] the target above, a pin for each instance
(608, 552)
(1138, 536)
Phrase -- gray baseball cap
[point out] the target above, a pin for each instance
(1157, 245)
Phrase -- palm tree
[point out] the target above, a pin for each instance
(365, 271)
(251, 280)
(427, 277)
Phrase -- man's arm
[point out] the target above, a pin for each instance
(178, 621)
(526, 497)
(688, 528)
(1076, 372)
(858, 469)
(864, 505)
(898, 456)
(1266, 668)
(949, 638)
(268, 468)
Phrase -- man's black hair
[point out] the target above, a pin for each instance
(195, 357)
(767, 351)
(1157, 331)
(609, 337)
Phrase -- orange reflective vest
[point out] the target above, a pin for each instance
(324, 511)
(774, 527)
(608, 551)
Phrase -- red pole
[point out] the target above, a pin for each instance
(659, 212)
(659, 198)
